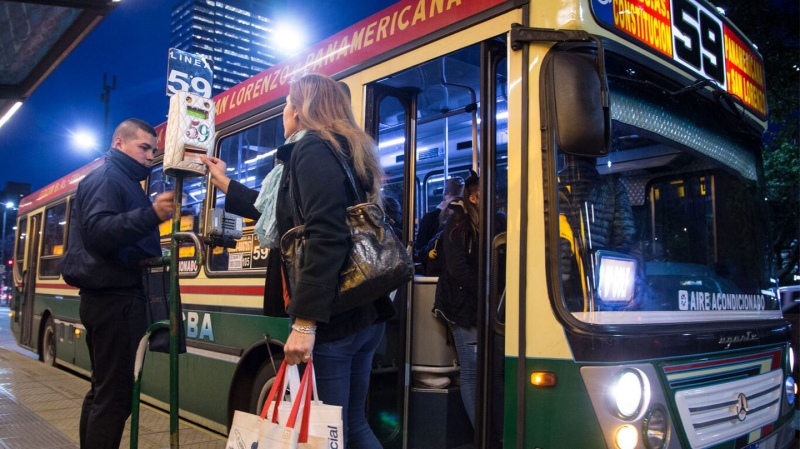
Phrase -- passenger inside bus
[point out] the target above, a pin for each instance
(431, 224)
(597, 212)
(457, 290)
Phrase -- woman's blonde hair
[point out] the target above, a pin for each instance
(323, 106)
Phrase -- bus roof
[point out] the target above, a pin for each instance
(58, 189)
(393, 27)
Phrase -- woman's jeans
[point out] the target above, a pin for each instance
(466, 340)
(342, 368)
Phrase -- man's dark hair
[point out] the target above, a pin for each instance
(127, 129)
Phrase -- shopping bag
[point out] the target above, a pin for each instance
(308, 424)
(245, 431)
(247, 428)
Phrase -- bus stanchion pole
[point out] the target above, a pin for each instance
(137, 379)
(174, 294)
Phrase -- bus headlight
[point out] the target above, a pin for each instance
(790, 390)
(655, 428)
(629, 393)
(626, 437)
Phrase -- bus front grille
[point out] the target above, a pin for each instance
(724, 399)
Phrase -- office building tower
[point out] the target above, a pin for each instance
(232, 34)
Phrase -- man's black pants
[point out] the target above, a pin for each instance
(114, 324)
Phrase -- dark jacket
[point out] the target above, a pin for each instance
(114, 219)
(429, 225)
(324, 197)
(457, 288)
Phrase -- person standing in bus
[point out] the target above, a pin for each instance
(431, 222)
(318, 121)
(457, 289)
(114, 226)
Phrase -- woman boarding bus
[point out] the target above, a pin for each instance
(672, 339)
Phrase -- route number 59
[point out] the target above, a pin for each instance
(698, 40)
(178, 80)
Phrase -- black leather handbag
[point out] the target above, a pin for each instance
(377, 262)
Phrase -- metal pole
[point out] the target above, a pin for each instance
(105, 97)
(3, 253)
(174, 294)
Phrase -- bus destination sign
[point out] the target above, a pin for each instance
(693, 35)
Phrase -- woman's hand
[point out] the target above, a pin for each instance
(298, 347)
(216, 169)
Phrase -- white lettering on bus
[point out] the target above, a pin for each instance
(185, 266)
(722, 301)
(205, 329)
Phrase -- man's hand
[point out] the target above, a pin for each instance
(163, 205)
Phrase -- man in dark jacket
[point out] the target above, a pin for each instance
(114, 226)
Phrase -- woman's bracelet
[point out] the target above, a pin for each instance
(311, 330)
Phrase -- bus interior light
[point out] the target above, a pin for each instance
(543, 379)
(626, 437)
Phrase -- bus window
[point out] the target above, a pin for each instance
(19, 256)
(53, 239)
(249, 155)
(663, 223)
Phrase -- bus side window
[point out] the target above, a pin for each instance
(249, 156)
(53, 239)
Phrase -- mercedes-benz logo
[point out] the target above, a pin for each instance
(742, 407)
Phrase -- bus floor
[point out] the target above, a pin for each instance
(40, 409)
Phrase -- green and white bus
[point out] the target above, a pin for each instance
(627, 297)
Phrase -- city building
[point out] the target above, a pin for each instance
(233, 34)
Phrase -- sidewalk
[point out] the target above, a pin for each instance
(40, 409)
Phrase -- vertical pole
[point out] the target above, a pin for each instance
(174, 294)
(3, 254)
(105, 97)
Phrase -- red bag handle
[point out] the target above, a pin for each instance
(280, 379)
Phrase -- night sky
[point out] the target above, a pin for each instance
(131, 43)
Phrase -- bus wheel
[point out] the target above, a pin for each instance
(262, 384)
(48, 352)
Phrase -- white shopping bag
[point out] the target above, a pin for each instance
(245, 430)
(247, 427)
(303, 423)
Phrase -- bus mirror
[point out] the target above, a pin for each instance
(582, 124)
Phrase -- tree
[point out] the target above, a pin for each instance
(773, 28)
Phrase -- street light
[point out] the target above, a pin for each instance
(12, 206)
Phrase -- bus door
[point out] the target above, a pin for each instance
(28, 286)
(390, 119)
(430, 122)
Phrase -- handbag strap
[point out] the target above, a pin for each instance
(294, 194)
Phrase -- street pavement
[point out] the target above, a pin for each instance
(40, 406)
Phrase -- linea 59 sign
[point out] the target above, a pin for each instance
(188, 72)
(694, 35)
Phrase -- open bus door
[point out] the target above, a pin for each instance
(401, 104)
(431, 122)
(27, 291)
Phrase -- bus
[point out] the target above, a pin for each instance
(627, 296)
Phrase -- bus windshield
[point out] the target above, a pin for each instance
(669, 227)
